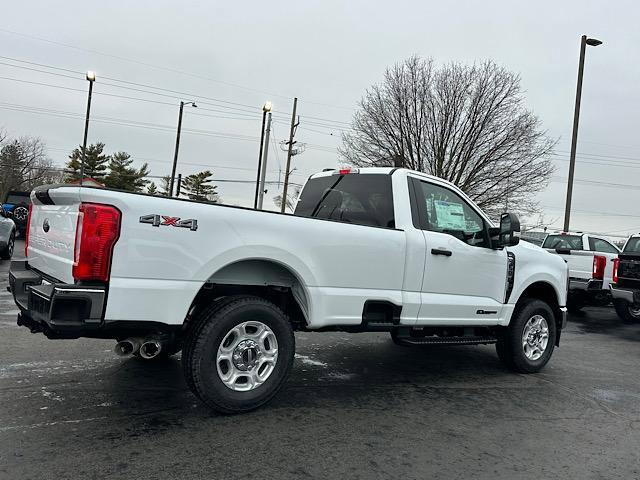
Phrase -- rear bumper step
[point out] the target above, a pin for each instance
(56, 309)
(584, 284)
(626, 294)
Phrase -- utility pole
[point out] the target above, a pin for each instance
(263, 170)
(286, 172)
(175, 155)
(584, 41)
(91, 77)
(266, 108)
(178, 185)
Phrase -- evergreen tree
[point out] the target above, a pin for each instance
(95, 163)
(198, 187)
(152, 189)
(123, 176)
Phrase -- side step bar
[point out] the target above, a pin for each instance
(436, 340)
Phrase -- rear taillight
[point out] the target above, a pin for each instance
(97, 232)
(616, 265)
(599, 264)
(26, 233)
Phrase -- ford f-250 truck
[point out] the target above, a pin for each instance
(625, 288)
(375, 249)
(590, 259)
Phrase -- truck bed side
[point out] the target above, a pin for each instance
(157, 270)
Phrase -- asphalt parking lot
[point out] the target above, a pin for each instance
(355, 406)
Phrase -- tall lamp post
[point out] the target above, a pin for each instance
(266, 108)
(91, 77)
(175, 155)
(584, 41)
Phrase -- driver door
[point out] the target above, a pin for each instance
(464, 279)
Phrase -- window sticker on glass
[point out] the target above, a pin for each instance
(449, 215)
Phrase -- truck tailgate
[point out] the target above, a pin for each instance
(580, 262)
(52, 231)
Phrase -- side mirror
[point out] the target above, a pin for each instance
(509, 230)
(3, 214)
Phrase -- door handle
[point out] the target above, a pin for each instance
(439, 251)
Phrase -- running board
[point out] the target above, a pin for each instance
(435, 340)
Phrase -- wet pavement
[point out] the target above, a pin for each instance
(355, 406)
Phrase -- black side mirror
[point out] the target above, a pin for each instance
(509, 230)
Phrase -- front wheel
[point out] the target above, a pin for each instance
(527, 344)
(627, 312)
(238, 354)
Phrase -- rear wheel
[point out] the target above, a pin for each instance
(527, 344)
(395, 338)
(575, 303)
(627, 312)
(7, 253)
(238, 354)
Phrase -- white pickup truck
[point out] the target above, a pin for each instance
(590, 259)
(379, 249)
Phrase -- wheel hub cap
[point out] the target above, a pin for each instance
(247, 356)
(535, 337)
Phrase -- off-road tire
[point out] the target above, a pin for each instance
(509, 346)
(201, 346)
(623, 310)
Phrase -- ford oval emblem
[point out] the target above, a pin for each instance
(45, 225)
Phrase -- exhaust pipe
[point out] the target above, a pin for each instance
(127, 347)
(150, 349)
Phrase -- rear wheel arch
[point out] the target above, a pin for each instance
(259, 277)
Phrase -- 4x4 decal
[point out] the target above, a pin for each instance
(163, 220)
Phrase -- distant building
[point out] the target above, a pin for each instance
(87, 181)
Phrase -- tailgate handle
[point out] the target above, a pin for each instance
(440, 251)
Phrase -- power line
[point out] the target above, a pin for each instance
(201, 98)
(160, 67)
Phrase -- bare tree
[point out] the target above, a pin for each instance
(466, 124)
(24, 165)
(291, 199)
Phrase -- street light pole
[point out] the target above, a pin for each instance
(175, 155)
(584, 41)
(265, 109)
(263, 171)
(91, 77)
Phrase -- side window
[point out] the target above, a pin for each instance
(599, 245)
(442, 210)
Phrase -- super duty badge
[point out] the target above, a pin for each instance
(162, 220)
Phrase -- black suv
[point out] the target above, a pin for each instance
(16, 205)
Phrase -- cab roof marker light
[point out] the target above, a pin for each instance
(346, 171)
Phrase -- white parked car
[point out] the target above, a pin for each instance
(375, 249)
(590, 259)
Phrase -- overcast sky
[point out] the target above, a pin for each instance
(326, 53)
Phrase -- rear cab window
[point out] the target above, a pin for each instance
(632, 246)
(600, 245)
(563, 242)
(361, 199)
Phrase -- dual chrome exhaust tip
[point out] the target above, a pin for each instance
(148, 348)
